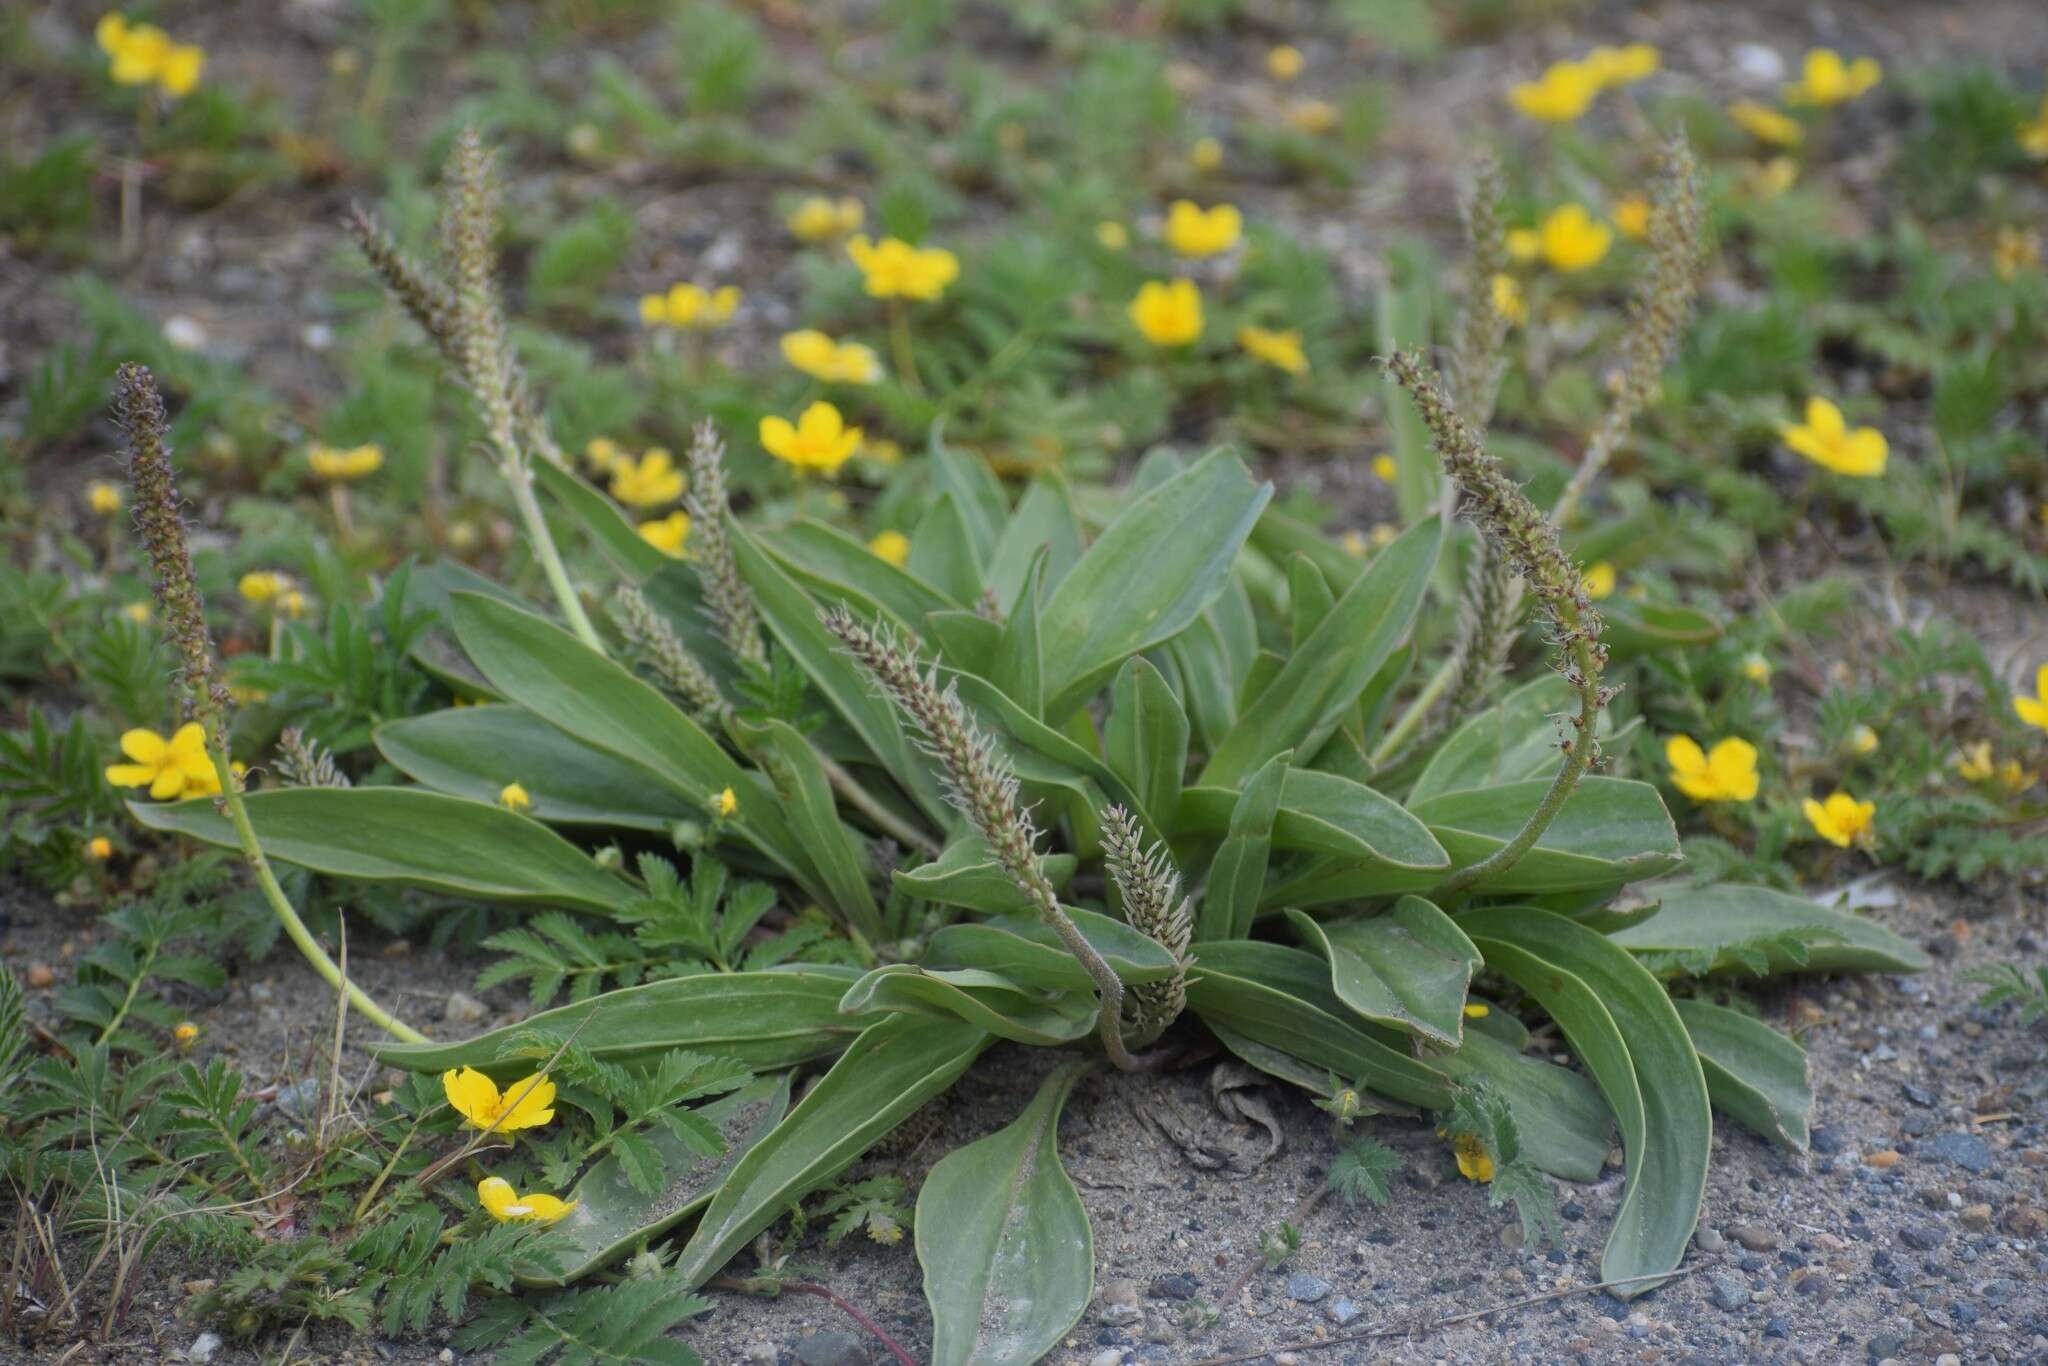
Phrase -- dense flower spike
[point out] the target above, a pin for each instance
(726, 595)
(1827, 440)
(663, 653)
(1152, 904)
(1727, 773)
(526, 1104)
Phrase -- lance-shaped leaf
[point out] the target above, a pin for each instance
(1146, 740)
(1407, 968)
(775, 1017)
(1611, 831)
(942, 551)
(1755, 1075)
(1017, 664)
(1323, 813)
(1713, 926)
(1237, 875)
(967, 875)
(1008, 1256)
(463, 751)
(1147, 576)
(799, 778)
(1025, 950)
(403, 834)
(817, 554)
(891, 1069)
(618, 538)
(1510, 742)
(986, 1000)
(1621, 1023)
(1044, 520)
(1322, 679)
(612, 1217)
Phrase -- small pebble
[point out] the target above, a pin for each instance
(1108, 1356)
(1340, 1311)
(1883, 1160)
(1730, 1292)
(1755, 1237)
(1120, 1303)
(187, 334)
(1306, 1288)
(1710, 1240)
(203, 1347)
(832, 1349)
(1976, 1218)
(463, 1008)
(41, 974)
(1967, 1151)
(1922, 1237)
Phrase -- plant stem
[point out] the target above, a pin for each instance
(543, 544)
(1418, 711)
(899, 345)
(294, 928)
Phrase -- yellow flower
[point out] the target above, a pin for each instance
(1862, 740)
(178, 73)
(1827, 440)
(2013, 778)
(262, 585)
(1571, 240)
(341, 466)
(137, 612)
(892, 546)
(1773, 177)
(507, 1205)
(1522, 244)
(1508, 299)
(1563, 93)
(893, 269)
(1312, 116)
(1281, 350)
(1828, 80)
(1206, 154)
(145, 54)
(177, 767)
(648, 482)
(1477, 1010)
(687, 305)
(1612, 66)
(726, 802)
(1168, 314)
(1766, 124)
(1632, 216)
(514, 797)
(2015, 250)
(1381, 535)
(667, 534)
(1386, 467)
(525, 1104)
(103, 497)
(819, 219)
(2034, 133)
(1283, 63)
(1973, 762)
(819, 440)
(1599, 579)
(1194, 231)
(1113, 235)
(1474, 1162)
(601, 454)
(1354, 543)
(1841, 820)
(1756, 668)
(186, 1033)
(1725, 774)
(2034, 710)
(99, 848)
(818, 356)
(292, 603)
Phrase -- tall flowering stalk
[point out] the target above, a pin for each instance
(726, 596)
(1150, 889)
(980, 784)
(139, 411)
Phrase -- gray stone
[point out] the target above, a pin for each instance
(1922, 1237)
(1159, 1328)
(1755, 1237)
(1306, 1288)
(1730, 1292)
(1967, 1151)
(1108, 1356)
(203, 1347)
(1340, 1311)
(462, 1008)
(1120, 1304)
(763, 1354)
(832, 1349)
(1710, 1240)
(1829, 1139)
(1179, 1286)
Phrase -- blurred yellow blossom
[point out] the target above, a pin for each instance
(2034, 710)
(1206, 154)
(1756, 668)
(1386, 467)
(137, 612)
(1827, 440)
(1564, 92)
(103, 497)
(1508, 299)
(1194, 231)
(1973, 762)
(514, 797)
(1612, 66)
(1113, 235)
(1632, 216)
(892, 546)
(292, 603)
(883, 451)
(1727, 773)
(1312, 116)
(1766, 124)
(667, 534)
(1841, 820)
(1599, 580)
(170, 768)
(1354, 543)
(893, 269)
(1282, 350)
(818, 440)
(1827, 80)
(185, 1033)
(525, 1104)
(1168, 314)
(688, 305)
(2034, 133)
(725, 803)
(1382, 534)
(1572, 240)
(1474, 1162)
(341, 466)
(819, 219)
(1767, 180)
(648, 482)
(2015, 250)
(1477, 1010)
(1862, 740)
(1522, 244)
(2013, 777)
(601, 454)
(820, 357)
(143, 54)
(1283, 63)
(505, 1204)
(259, 586)
(99, 848)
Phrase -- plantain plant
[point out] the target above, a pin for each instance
(1091, 773)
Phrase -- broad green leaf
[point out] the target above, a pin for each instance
(1024, 949)
(1146, 740)
(1044, 755)
(621, 541)
(1622, 1025)
(1018, 666)
(571, 686)
(987, 1000)
(1611, 831)
(1275, 1062)
(408, 835)
(1266, 666)
(942, 552)
(775, 1017)
(806, 793)
(965, 478)
(1324, 678)
(1208, 684)
(966, 640)
(1322, 813)
(1704, 921)
(1562, 1121)
(1237, 874)
(815, 553)
(427, 589)
(1045, 520)
(1408, 968)
(1513, 741)
(1309, 599)
(1147, 576)
(1281, 997)
(1008, 1256)
(464, 752)
(612, 1218)
(792, 617)
(967, 875)
(1755, 1075)
(892, 1068)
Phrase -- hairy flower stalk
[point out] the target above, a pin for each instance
(1527, 542)
(1150, 889)
(302, 763)
(979, 783)
(139, 410)
(662, 650)
(466, 320)
(725, 593)
(1479, 356)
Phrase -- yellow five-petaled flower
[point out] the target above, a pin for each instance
(507, 1205)
(2034, 710)
(144, 54)
(668, 534)
(648, 482)
(1572, 240)
(1841, 820)
(1279, 349)
(1826, 79)
(892, 546)
(1168, 314)
(1727, 773)
(178, 767)
(1474, 1162)
(526, 1104)
(341, 466)
(1827, 440)
(1192, 230)
(893, 269)
(835, 362)
(818, 440)
(687, 305)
